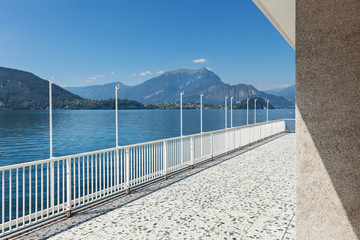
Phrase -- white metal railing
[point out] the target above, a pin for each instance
(34, 192)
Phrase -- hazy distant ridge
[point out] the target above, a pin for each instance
(287, 92)
(167, 86)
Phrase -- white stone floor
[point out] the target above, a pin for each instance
(249, 196)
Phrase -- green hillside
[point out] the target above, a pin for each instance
(20, 90)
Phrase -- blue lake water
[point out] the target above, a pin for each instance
(24, 135)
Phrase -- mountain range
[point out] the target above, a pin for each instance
(286, 92)
(20, 90)
(24, 90)
(167, 87)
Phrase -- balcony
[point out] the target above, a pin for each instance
(243, 194)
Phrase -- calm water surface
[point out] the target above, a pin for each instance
(24, 135)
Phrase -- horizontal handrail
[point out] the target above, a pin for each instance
(26, 164)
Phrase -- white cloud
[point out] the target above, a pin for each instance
(200, 60)
(142, 74)
(160, 72)
(93, 78)
(96, 77)
(145, 73)
(115, 71)
(285, 85)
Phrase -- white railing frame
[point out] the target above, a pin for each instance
(115, 170)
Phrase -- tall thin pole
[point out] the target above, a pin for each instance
(116, 114)
(181, 117)
(201, 124)
(201, 114)
(247, 111)
(231, 114)
(226, 112)
(50, 110)
(267, 110)
(52, 178)
(255, 111)
(181, 129)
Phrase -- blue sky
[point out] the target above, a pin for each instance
(84, 43)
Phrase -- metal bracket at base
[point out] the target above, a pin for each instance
(68, 213)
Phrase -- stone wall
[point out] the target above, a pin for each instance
(328, 119)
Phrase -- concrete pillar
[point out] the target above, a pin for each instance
(328, 119)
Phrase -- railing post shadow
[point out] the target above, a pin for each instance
(127, 171)
(165, 158)
(68, 186)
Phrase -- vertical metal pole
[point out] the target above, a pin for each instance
(255, 110)
(226, 112)
(117, 133)
(201, 106)
(247, 111)
(181, 123)
(116, 114)
(267, 110)
(201, 125)
(50, 111)
(231, 112)
(181, 130)
(52, 177)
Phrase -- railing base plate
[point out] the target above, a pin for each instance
(68, 213)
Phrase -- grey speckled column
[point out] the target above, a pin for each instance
(328, 119)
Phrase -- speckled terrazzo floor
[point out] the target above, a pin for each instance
(250, 195)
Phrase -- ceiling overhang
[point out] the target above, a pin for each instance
(281, 13)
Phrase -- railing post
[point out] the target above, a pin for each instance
(68, 187)
(259, 135)
(165, 158)
(227, 140)
(234, 138)
(182, 150)
(192, 152)
(117, 168)
(201, 145)
(52, 186)
(212, 146)
(127, 171)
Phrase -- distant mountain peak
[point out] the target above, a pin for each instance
(189, 71)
